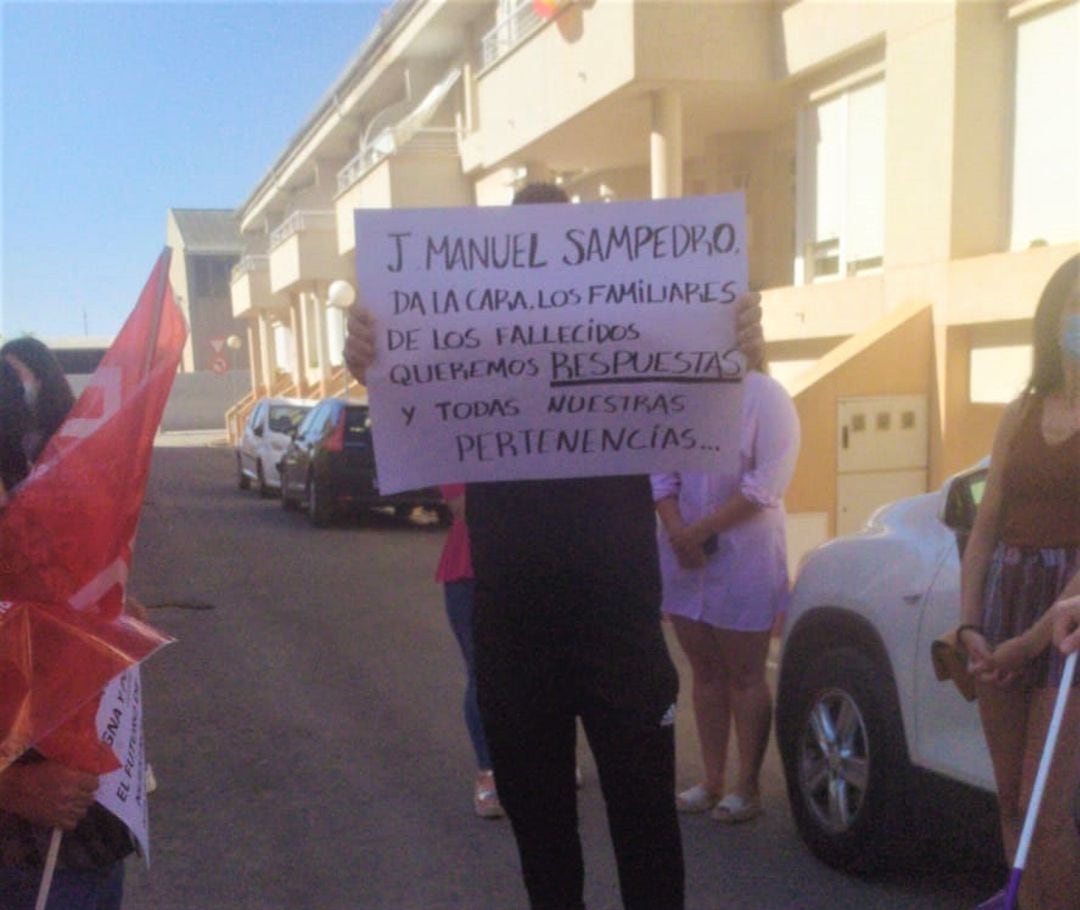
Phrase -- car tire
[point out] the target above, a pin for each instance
(446, 517)
(243, 482)
(320, 512)
(287, 502)
(845, 761)
(260, 480)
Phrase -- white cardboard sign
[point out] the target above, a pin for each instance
(542, 341)
(119, 723)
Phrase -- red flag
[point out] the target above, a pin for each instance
(65, 545)
(546, 9)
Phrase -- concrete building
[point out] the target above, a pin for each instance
(206, 245)
(910, 169)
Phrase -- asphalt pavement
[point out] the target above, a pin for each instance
(306, 733)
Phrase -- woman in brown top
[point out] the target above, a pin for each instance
(1023, 555)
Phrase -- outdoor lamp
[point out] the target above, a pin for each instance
(341, 294)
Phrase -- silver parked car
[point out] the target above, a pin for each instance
(267, 434)
(860, 713)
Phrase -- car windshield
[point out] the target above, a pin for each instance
(284, 418)
(978, 487)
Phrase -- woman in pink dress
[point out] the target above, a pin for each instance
(724, 563)
(455, 574)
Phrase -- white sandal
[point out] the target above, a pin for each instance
(735, 808)
(696, 799)
(486, 798)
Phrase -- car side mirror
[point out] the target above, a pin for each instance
(961, 504)
(258, 431)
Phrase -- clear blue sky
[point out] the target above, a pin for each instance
(115, 112)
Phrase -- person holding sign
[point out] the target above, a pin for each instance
(567, 626)
(724, 563)
(38, 794)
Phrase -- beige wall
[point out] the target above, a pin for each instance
(403, 181)
(693, 41)
(899, 361)
(178, 278)
(532, 91)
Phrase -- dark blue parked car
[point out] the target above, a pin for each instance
(330, 466)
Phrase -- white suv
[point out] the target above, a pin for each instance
(859, 709)
(267, 434)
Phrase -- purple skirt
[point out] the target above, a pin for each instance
(1021, 585)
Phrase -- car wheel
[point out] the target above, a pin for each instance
(318, 506)
(287, 502)
(242, 480)
(845, 761)
(260, 480)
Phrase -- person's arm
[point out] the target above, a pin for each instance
(360, 338)
(733, 510)
(47, 793)
(749, 335)
(980, 548)
(1065, 617)
(688, 552)
(1011, 655)
(772, 441)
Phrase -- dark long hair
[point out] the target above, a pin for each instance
(1047, 372)
(533, 193)
(14, 424)
(55, 397)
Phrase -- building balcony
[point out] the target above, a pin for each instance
(509, 32)
(425, 171)
(250, 288)
(303, 250)
(589, 72)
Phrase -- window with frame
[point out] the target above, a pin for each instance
(283, 347)
(1045, 185)
(212, 275)
(841, 184)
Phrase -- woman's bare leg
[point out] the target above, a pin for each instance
(744, 655)
(710, 695)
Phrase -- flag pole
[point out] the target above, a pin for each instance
(162, 270)
(1012, 891)
(50, 867)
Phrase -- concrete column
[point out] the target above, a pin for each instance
(255, 364)
(296, 321)
(666, 145)
(319, 296)
(267, 352)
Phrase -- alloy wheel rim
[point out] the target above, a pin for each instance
(834, 761)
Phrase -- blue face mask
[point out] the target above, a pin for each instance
(1070, 336)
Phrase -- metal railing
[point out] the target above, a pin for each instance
(301, 221)
(358, 165)
(509, 32)
(430, 138)
(250, 263)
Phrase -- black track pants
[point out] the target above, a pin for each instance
(567, 625)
